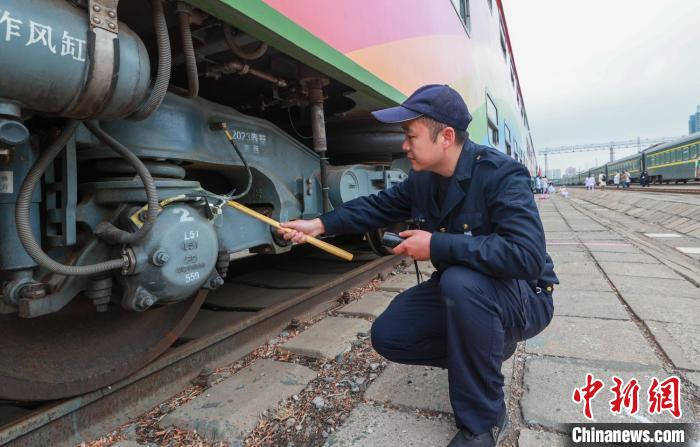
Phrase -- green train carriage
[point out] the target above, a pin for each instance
(676, 161)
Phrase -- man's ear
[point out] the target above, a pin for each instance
(448, 134)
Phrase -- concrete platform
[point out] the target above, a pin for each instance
(372, 426)
(412, 386)
(654, 286)
(671, 309)
(602, 256)
(593, 338)
(426, 267)
(371, 305)
(681, 342)
(532, 438)
(327, 338)
(398, 283)
(549, 384)
(592, 282)
(580, 303)
(624, 268)
(230, 410)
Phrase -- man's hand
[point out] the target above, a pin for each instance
(301, 228)
(416, 245)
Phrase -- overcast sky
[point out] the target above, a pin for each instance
(605, 70)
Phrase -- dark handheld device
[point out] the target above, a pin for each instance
(391, 240)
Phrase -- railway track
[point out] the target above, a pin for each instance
(261, 296)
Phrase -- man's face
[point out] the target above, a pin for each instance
(420, 149)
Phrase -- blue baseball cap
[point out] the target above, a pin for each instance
(439, 102)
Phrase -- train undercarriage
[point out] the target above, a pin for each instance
(124, 131)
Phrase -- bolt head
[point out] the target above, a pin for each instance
(112, 25)
(96, 8)
(161, 257)
(97, 20)
(112, 14)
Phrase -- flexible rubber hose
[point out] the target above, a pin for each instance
(190, 58)
(238, 51)
(250, 174)
(22, 219)
(106, 230)
(160, 87)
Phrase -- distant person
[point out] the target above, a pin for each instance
(644, 179)
(588, 182)
(601, 180)
(538, 185)
(616, 180)
(564, 192)
(625, 179)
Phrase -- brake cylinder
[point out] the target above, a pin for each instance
(45, 55)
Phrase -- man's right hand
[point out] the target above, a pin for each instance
(302, 228)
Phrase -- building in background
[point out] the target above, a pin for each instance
(554, 174)
(694, 122)
(570, 171)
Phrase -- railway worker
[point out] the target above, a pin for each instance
(644, 179)
(616, 180)
(482, 231)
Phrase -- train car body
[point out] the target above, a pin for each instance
(127, 126)
(675, 161)
(631, 164)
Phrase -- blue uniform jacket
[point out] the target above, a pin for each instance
(489, 220)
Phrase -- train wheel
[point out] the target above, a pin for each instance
(78, 350)
(374, 239)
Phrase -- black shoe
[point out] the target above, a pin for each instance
(464, 438)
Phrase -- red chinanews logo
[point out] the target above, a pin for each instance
(662, 396)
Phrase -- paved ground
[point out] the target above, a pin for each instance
(627, 307)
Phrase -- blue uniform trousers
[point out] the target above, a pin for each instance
(460, 320)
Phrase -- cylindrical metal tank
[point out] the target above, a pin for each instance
(43, 55)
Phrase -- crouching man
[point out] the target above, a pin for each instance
(482, 231)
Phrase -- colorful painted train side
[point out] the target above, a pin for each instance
(126, 127)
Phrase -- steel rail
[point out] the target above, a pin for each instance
(82, 417)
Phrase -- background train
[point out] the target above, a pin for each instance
(126, 125)
(676, 161)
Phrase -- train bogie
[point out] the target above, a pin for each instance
(126, 131)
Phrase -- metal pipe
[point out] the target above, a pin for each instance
(184, 15)
(242, 69)
(240, 52)
(318, 127)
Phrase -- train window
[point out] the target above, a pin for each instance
(462, 7)
(492, 121)
(506, 134)
(694, 151)
(686, 153)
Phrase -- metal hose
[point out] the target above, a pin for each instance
(106, 230)
(238, 51)
(160, 87)
(24, 227)
(185, 17)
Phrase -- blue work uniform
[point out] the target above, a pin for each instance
(493, 282)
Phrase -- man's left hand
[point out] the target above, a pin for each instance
(416, 245)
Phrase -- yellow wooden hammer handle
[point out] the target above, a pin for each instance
(325, 246)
